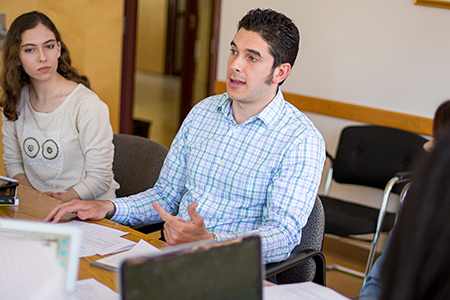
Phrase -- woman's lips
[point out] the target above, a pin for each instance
(44, 69)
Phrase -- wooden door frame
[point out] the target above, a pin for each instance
(188, 69)
(214, 46)
(128, 65)
(170, 37)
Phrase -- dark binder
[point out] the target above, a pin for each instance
(8, 190)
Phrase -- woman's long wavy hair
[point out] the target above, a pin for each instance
(14, 77)
(417, 263)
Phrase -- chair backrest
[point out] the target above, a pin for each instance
(312, 238)
(372, 155)
(137, 163)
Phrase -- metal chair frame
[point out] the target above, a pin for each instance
(400, 177)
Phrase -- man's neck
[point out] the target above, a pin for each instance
(242, 111)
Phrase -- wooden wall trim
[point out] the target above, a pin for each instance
(354, 112)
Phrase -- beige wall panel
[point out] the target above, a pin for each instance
(151, 35)
(92, 30)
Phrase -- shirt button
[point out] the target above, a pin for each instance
(219, 161)
(209, 195)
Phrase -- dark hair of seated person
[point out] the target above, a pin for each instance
(418, 260)
(441, 118)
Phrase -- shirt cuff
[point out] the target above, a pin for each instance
(13, 171)
(82, 190)
(123, 211)
(220, 236)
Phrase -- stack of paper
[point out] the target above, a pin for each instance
(91, 289)
(98, 239)
(301, 291)
(112, 263)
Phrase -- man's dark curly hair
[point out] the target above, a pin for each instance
(277, 30)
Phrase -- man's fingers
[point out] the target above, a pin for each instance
(59, 211)
(85, 214)
(162, 212)
(195, 216)
(168, 234)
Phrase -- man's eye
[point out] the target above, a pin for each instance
(233, 52)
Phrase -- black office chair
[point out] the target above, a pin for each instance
(370, 156)
(306, 262)
(136, 167)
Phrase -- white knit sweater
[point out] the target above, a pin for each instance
(70, 147)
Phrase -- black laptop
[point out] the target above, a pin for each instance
(206, 270)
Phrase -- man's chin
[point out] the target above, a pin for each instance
(233, 95)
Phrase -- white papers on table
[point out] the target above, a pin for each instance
(91, 289)
(100, 239)
(86, 253)
(303, 291)
(112, 262)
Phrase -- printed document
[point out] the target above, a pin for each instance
(300, 291)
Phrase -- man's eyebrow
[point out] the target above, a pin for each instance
(31, 44)
(256, 52)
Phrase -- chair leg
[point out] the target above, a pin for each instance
(403, 194)
(381, 214)
(345, 270)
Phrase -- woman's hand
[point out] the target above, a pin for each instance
(23, 180)
(67, 196)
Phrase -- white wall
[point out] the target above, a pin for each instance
(387, 54)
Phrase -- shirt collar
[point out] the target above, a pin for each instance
(268, 115)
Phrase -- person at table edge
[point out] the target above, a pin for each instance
(244, 162)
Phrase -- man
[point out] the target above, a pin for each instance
(245, 162)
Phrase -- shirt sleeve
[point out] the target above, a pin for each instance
(167, 192)
(95, 136)
(371, 290)
(12, 150)
(291, 198)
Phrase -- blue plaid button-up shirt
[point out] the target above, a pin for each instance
(259, 177)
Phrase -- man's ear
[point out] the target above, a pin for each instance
(281, 72)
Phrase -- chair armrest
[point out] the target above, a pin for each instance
(149, 228)
(299, 257)
(328, 155)
(329, 176)
(404, 176)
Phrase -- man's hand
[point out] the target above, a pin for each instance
(85, 209)
(178, 231)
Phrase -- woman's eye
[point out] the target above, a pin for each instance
(28, 50)
(50, 46)
(252, 58)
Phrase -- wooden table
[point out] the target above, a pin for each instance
(35, 206)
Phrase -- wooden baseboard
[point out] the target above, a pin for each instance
(354, 112)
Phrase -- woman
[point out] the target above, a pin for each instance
(56, 132)
(440, 122)
(371, 289)
(417, 263)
